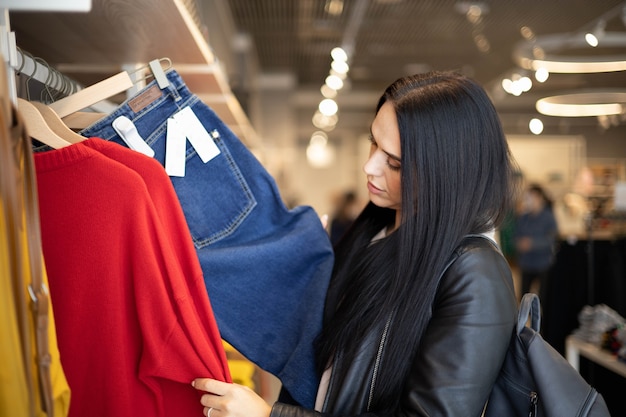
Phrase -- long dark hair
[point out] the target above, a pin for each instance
(456, 179)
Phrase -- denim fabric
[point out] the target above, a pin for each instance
(266, 267)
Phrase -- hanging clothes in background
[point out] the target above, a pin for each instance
(133, 326)
(15, 380)
(266, 268)
(32, 380)
(14, 392)
(14, 388)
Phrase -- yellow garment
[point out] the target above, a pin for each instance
(60, 387)
(13, 387)
(14, 396)
(242, 370)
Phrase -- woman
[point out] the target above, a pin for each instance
(421, 305)
(536, 232)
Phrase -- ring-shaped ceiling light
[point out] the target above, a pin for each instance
(582, 104)
(543, 53)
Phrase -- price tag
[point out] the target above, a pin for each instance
(196, 133)
(180, 127)
(175, 147)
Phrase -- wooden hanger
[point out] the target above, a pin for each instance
(82, 119)
(36, 125)
(56, 124)
(107, 88)
(89, 96)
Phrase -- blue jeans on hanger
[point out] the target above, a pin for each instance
(266, 267)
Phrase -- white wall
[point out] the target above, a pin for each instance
(553, 161)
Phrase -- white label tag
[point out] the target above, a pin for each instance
(175, 147)
(196, 133)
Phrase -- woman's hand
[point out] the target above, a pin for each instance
(223, 399)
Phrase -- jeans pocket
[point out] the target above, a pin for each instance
(215, 196)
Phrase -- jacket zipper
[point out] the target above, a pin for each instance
(532, 412)
(377, 363)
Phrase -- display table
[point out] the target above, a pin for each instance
(573, 284)
(574, 348)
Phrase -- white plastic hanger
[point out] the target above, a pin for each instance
(36, 125)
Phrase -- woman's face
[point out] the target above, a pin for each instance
(533, 202)
(383, 166)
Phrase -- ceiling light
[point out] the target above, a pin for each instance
(338, 74)
(338, 54)
(527, 33)
(326, 123)
(525, 83)
(341, 67)
(334, 7)
(542, 53)
(517, 84)
(593, 38)
(320, 153)
(541, 75)
(609, 121)
(334, 82)
(473, 10)
(507, 85)
(536, 126)
(328, 92)
(319, 138)
(590, 103)
(482, 43)
(328, 107)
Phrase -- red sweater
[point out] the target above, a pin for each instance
(134, 322)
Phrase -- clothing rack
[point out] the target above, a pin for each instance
(38, 69)
(19, 62)
(9, 52)
(9, 49)
(128, 47)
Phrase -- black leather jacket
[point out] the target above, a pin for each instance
(462, 350)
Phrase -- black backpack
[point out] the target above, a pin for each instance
(536, 380)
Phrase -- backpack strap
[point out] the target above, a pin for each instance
(529, 306)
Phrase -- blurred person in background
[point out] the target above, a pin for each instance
(344, 215)
(536, 231)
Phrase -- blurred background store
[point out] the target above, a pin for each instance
(298, 81)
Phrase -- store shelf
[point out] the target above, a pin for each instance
(575, 347)
(117, 34)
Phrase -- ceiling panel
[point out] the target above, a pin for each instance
(397, 37)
